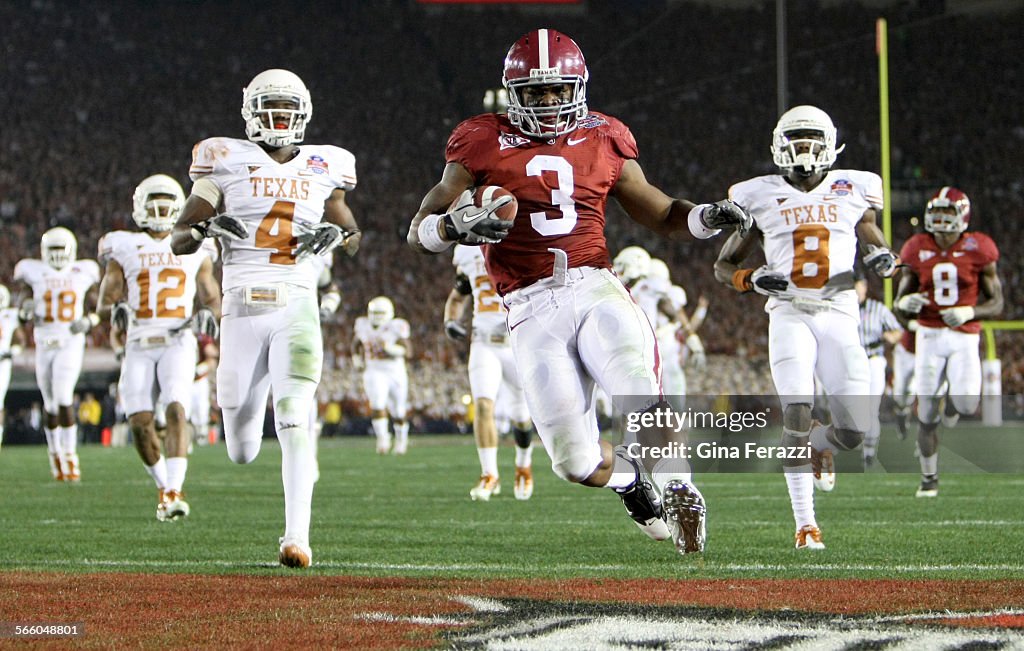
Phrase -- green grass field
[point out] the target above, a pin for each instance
(411, 516)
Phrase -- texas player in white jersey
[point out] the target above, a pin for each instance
(148, 293)
(59, 284)
(12, 342)
(272, 204)
(677, 334)
(380, 347)
(493, 378)
(809, 219)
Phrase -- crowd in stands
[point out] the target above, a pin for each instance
(99, 96)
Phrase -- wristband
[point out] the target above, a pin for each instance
(15, 350)
(696, 224)
(430, 237)
(330, 301)
(198, 232)
(741, 280)
(700, 313)
(94, 319)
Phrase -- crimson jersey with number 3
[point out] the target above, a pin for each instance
(948, 278)
(273, 199)
(561, 184)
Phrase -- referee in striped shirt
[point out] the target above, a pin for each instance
(878, 326)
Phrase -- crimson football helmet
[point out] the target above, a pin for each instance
(540, 58)
(937, 215)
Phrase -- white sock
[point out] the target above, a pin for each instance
(871, 439)
(53, 441)
(524, 456)
(488, 461)
(930, 465)
(800, 482)
(1, 433)
(158, 471)
(668, 469)
(69, 438)
(623, 475)
(297, 473)
(176, 467)
(380, 428)
(402, 434)
(820, 441)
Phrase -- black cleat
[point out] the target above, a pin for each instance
(929, 486)
(901, 426)
(643, 504)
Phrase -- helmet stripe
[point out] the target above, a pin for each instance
(542, 44)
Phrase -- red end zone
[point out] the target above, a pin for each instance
(376, 613)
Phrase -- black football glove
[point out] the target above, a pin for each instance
(455, 330)
(724, 214)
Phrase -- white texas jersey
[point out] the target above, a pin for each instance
(59, 295)
(274, 200)
(161, 285)
(488, 311)
(375, 340)
(648, 292)
(810, 236)
(8, 324)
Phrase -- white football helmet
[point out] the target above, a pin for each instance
(157, 214)
(59, 247)
(632, 263)
(5, 297)
(260, 124)
(379, 311)
(659, 269)
(792, 131)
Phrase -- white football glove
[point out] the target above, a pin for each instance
(226, 226)
(881, 260)
(726, 213)
(768, 282)
(697, 355)
(85, 324)
(471, 224)
(455, 330)
(121, 316)
(27, 311)
(329, 303)
(205, 323)
(912, 303)
(319, 239)
(955, 317)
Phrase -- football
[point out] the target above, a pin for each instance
(487, 193)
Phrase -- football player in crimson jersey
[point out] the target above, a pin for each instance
(953, 284)
(809, 219)
(573, 326)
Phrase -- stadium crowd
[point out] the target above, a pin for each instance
(98, 98)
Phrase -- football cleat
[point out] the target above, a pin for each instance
(174, 506)
(295, 553)
(523, 488)
(400, 448)
(384, 445)
(809, 537)
(929, 486)
(55, 467)
(643, 504)
(485, 488)
(72, 469)
(161, 505)
(685, 513)
(823, 465)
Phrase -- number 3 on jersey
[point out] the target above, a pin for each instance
(275, 233)
(560, 197)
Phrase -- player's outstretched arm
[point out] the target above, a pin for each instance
(673, 218)
(435, 235)
(877, 255)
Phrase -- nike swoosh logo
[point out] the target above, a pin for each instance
(572, 141)
(468, 218)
